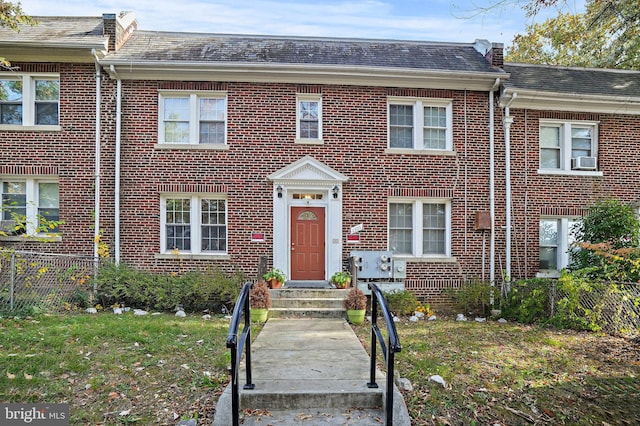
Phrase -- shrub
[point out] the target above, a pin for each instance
(401, 302)
(528, 300)
(194, 291)
(474, 297)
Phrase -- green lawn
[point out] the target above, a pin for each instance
(158, 369)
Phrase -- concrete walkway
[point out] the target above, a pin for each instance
(310, 371)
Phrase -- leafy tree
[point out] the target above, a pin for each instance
(607, 35)
(11, 16)
(607, 242)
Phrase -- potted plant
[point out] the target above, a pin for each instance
(356, 305)
(341, 279)
(275, 277)
(259, 301)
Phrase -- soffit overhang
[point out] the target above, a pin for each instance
(554, 101)
(303, 74)
(51, 52)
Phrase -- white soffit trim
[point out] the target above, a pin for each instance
(554, 101)
(315, 74)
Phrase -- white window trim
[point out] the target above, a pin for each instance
(563, 245)
(418, 124)
(565, 146)
(32, 201)
(417, 204)
(196, 229)
(29, 101)
(194, 118)
(312, 98)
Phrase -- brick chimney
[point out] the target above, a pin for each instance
(118, 28)
(493, 52)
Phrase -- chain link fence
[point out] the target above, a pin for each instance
(33, 282)
(613, 307)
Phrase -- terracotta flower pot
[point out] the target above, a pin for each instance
(274, 283)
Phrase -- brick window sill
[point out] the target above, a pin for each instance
(192, 256)
(559, 172)
(192, 146)
(21, 128)
(426, 259)
(32, 238)
(435, 152)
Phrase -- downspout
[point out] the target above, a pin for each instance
(507, 121)
(116, 206)
(492, 186)
(96, 174)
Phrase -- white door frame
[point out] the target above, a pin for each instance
(307, 176)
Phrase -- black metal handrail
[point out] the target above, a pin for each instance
(388, 351)
(236, 346)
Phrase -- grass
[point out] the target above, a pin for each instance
(156, 368)
(510, 374)
(159, 369)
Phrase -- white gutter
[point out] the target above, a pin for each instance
(96, 217)
(116, 206)
(492, 187)
(507, 121)
(296, 73)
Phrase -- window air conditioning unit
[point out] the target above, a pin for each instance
(584, 163)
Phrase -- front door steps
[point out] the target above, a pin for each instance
(307, 303)
(310, 371)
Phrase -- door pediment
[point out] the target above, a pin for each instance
(307, 169)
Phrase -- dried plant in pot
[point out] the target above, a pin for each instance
(356, 305)
(259, 301)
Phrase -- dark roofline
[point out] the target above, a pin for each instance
(568, 68)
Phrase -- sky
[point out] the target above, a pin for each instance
(428, 20)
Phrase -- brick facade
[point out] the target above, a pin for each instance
(261, 140)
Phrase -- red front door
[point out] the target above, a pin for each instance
(307, 243)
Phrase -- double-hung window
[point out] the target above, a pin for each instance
(194, 224)
(556, 237)
(420, 124)
(568, 145)
(420, 227)
(30, 206)
(193, 118)
(29, 100)
(309, 118)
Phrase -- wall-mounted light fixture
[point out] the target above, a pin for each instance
(279, 190)
(335, 191)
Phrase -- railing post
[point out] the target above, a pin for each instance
(372, 365)
(12, 284)
(236, 347)
(388, 350)
(389, 400)
(247, 324)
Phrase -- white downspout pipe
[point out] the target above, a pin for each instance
(116, 206)
(492, 186)
(507, 121)
(96, 174)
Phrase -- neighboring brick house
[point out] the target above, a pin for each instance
(575, 139)
(217, 151)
